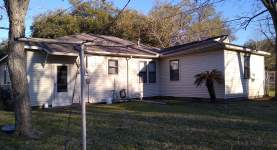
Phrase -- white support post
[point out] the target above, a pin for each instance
(82, 76)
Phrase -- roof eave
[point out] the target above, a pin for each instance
(122, 54)
(48, 52)
(234, 47)
(197, 49)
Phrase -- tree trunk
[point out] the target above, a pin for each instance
(210, 87)
(275, 49)
(16, 10)
(271, 6)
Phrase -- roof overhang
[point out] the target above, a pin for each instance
(87, 43)
(233, 47)
(50, 53)
(122, 54)
(3, 59)
(211, 46)
(195, 49)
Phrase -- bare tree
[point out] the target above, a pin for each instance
(16, 10)
(271, 6)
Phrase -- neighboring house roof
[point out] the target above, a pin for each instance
(96, 44)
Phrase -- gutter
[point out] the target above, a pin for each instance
(197, 49)
(51, 53)
(3, 58)
(234, 47)
(122, 54)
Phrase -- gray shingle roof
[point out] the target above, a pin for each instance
(99, 43)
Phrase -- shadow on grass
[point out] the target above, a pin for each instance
(138, 125)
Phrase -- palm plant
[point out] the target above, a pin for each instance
(209, 77)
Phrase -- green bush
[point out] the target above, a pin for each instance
(5, 99)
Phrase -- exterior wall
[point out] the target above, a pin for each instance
(4, 74)
(103, 85)
(41, 74)
(235, 84)
(191, 65)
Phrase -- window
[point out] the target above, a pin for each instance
(113, 66)
(143, 72)
(62, 79)
(5, 74)
(174, 70)
(247, 66)
(152, 72)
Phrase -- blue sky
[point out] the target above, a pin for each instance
(229, 9)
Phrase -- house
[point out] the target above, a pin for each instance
(117, 68)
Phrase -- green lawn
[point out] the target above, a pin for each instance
(137, 125)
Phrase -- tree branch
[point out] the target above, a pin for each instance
(248, 21)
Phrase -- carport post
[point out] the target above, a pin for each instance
(82, 76)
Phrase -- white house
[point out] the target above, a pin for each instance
(114, 65)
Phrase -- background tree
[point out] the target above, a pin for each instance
(162, 27)
(205, 23)
(132, 25)
(16, 10)
(163, 23)
(52, 25)
(265, 45)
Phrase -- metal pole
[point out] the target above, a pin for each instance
(82, 74)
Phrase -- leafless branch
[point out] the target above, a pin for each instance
(190, 11)
(248, 20)
(266, 35)
(4, 28)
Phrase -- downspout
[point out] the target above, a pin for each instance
(127, 81)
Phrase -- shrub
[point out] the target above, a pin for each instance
(5, 99)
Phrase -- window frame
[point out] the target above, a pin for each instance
(59, 87)
(246, 67)
(145, 73)
(5, 74)
(113, 67)
(171, 73)
(154, 72)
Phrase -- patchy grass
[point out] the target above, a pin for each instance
(137, 125)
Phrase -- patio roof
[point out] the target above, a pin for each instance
(95, 44)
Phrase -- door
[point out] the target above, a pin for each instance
(62, 97)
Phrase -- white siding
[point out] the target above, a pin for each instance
(42, 76)
(235, 84)
(191, 65)
(39, 79)
(102, 84)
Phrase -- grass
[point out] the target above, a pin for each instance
(137, 125)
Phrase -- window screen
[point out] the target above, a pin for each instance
(247, 66)
(174, 70)
(152, 72)
(113, 67)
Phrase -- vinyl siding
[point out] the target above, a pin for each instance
(103, 84)
(41, 74)
(191, 65)
(39, 79)
(235, 83)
